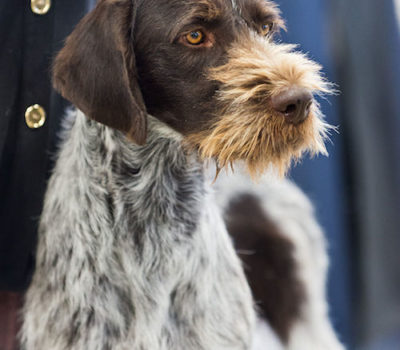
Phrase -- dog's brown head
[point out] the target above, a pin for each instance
(207, 68)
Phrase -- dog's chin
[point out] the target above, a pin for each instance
(261, 141)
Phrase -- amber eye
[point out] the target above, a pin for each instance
(195, 38)
(266, 28)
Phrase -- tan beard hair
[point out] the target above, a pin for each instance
(245, 127)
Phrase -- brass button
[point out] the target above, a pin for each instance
(40, 7)
(35, 116)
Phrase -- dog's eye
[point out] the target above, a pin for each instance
(266, 29)
(195, 38)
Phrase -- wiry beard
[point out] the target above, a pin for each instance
(246, 128)
(260, 141)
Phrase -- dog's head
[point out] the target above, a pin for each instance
(208, 68)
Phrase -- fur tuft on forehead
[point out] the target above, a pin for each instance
(207, 9)
(246, 127)
(195, 10)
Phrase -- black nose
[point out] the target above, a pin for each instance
(294, 104)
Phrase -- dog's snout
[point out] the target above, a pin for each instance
(293, 103)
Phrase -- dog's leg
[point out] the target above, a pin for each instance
(284, 253)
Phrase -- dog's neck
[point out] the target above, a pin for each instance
(159, 182)
(130, 238)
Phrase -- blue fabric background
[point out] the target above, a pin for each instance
(323, 179)
(357, 189)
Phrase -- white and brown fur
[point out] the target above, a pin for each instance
(283, 249)
(133, 251)
(132, 254)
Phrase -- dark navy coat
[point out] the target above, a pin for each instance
(28, 41)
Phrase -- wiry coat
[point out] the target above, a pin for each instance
(133, 253)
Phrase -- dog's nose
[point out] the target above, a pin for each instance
(294, 104)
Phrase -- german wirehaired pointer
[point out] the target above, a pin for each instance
(133, 251)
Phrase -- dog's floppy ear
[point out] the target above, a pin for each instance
(96, 69)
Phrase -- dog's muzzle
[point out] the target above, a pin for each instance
(266, 113)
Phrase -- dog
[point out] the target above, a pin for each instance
(133, 251)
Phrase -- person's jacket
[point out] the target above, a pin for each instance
(28, 42)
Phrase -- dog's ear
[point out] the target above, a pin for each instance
(96, 69)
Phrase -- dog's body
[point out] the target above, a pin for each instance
(133, 252)
(156, 272)
(284, 254)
